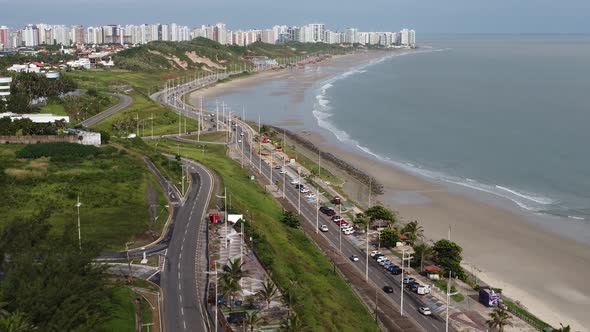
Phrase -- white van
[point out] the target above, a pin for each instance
(423, 289)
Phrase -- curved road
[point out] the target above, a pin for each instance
(124, 102)
(183, 302)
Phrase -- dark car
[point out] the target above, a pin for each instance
(392, 268)
(331, 213)
(396, 272)
(388, 289)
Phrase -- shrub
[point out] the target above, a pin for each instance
(59, 150)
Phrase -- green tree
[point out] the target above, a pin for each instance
(389, 237)
(268, 292)
(379, 212)
(49, 279)
(290, 219)
(413, 232)
(252, 320)
(230, 288)
(15, 322)
(448, 255)
(499, 318)
(293, 324)
(361, 220)
(422, 251)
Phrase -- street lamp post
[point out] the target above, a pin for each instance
(299, 190)
(340, 228)
(401, 312)
(216, 292)
(78, 204)
(127, 253)
(226, 219)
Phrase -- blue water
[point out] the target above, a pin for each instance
(509, 115)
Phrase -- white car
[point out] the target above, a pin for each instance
(349, 231)
(239, 141)
(425, 311)
(346, 228)
(324, 228)
(375, 252)
(382, 258)
(354, 258)
(294, 181)
(283, 171)
(304, 190)
(384, 261)
(242, 134)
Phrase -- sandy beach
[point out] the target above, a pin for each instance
(542, 269)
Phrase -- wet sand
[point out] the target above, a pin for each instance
(542, 269)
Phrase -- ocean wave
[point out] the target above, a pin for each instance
(536, 199)
(576, 218)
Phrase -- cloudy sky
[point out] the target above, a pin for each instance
(427, 16)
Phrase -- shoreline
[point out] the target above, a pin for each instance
(543, 270)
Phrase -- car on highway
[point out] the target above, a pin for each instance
(295, 181)
(242, 133)
(425, 311)
(324, 228)
(299, 186)
(375, 252)
(408, 280)
(278, 167)
(354, 258)
(304, 190)
(310, 195)
(388, 289)
(239, 141)
(283, 171)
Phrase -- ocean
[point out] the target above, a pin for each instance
(503, 114)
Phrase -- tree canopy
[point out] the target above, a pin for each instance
(379, 212)
(448, 255)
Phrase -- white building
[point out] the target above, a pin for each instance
(317, 32)
(5, 83)
(31, 35)
(36, 118)
(351, 36)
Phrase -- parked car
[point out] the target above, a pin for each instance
(414, 286)
(331, 213)
(388, 289)
(375, 252)
(384, 261)
(425, 311)
(381, 258)
(354, 258)
(278, 167)
(349, 231)
(341, 223)
(324, 228)
(336, 218)
(423, 289)
(324, 209)
(304, 190)
(283, 171)
(376, 257)
(408, 280)
(396, 272)
(294, 181)
(298, 186)
(386, 265)
(346, 227)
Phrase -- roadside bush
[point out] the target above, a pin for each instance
(290, 219)
(59, 150)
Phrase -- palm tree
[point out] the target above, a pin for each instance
(290, 296)
(563, 328)
(413, 231)
(498, 319)
(292, 324)
(230, 288)
(252, 320)
(421, 252)
(233, 269)
(268, 292)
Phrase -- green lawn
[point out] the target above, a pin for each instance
(311, 165)
(216, 136)
(325, 301)
(123, 309)
(143, 109)
(54, 108)
(111, 186)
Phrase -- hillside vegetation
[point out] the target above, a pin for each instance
(207, 55)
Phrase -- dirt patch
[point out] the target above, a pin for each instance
(173, 59)
(206, 61)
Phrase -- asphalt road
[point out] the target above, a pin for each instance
(182, 303)
(124, 102)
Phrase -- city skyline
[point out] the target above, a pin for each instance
(429, 16)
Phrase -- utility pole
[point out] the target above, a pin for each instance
(128, 260)
(448, 300)
(78, 204)
(200, 119)
(367, 253)
(216, 292)
(340, 228)
(299, 190)
(259, 147)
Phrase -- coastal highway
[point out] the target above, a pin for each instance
(182, 303)
(124, 102)
(377, 274)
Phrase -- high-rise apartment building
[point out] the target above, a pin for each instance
(4, 37)
(317, 32)
(31, 35)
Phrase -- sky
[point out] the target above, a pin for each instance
(426, 16)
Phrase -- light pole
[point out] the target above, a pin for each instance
(448, 300)
(216, 292)
(78, 204)
(401, 310)
(127, 253)
(226, 219)
(299, 191)
(340, 228)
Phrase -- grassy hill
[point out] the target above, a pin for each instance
(207, 55)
